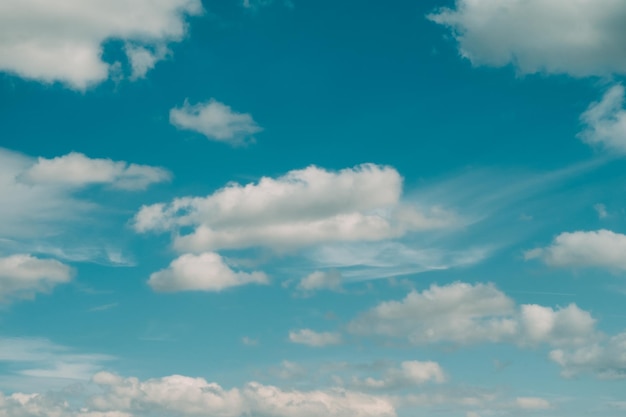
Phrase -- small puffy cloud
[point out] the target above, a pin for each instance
(532, 403)
(144, 59)
(22, 276)
(605, 122)
(601, 210)
(204, 272)
(410, 373)
(321, 280)
(601, 248)
(301, 208)
(181, 395)
(216, 121)
(462, 313)
(606, 359)
(315, 339)
(76, 170)
(62, 40)
(579, 38)
(248, 341)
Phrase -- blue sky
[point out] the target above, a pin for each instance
(294, 208)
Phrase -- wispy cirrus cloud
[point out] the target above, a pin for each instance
(216, 121)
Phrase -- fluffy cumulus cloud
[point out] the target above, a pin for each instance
(181, 395)
(602, 248)
(22, 276)
(321, 280)
(605, 122)
(462, 313)
(575, 37)
(216, 121)
(62, 40)
(204, 272)
(302, 208)
(76, 170)
(315, 339)
(606, 359)
(410, 373)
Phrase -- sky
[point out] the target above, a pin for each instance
(295, 208)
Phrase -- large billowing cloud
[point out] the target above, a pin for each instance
(216, 121)
(602, 248)
(605, 122)
(302, 208)
(62, 40)
(22, 276)
(575, 37)
(204, 272)
(462, 313)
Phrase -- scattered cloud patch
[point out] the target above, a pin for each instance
(410, 373)
(462, 313)
(321, 280)
(302, 208)
(578, 38)
(23, 276)
(600, 249)
(606, 359)
(314, 339)
(61, 41)
(248, 341)
(216, 121)
(601, 210)
(183, 395)
(77, 170)
(204, 272)
(605, 122)
(532, 403)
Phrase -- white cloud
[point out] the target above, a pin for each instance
(410, 373)
(462, 313)
(195, 396)
(601, 248)
(579, 38)
(248, 341)
(22, 276)
(216, 121)
(302, 208)
(315, 339)
(321, 280)
(601, 210)
(62, 40)
(532, 403)
(143, 59)
(76, 170)
(606, 359)
(204, 272)
(605, 122)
